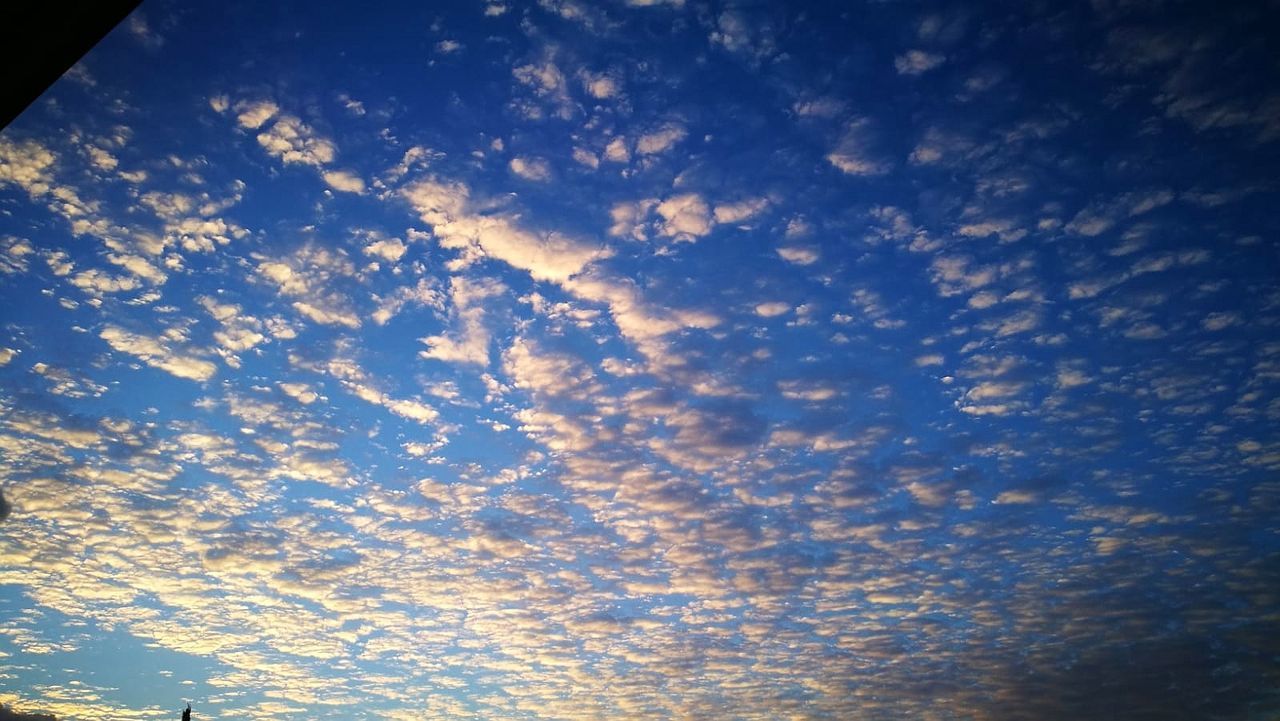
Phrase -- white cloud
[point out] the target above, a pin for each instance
(917, 62)
(252, 114)
(157, 354)
(327, 315)
(799, 254)
(1020, 322)
(139, 267)
(1219, 321)
(629, 218)
(293, 141)
(985, 299)
(27, 164)
(825, 107)
(388, 249)
(309, 276)
(101, 159)
(854, 154)
(601, 86)
(344, 180)
(141, 31)
(1090, 222)
(746, 34)
(1141, 203)
(616, 151)
(1006, 229)
(740, 211)
(14, 254)
(547, 82)
(772, 309)
(424, 292)
(536, 169)
(687, 216)
(546, 256)
(300, 392)
(97, 282)
(582, 156)
(1145, 330)
(471, 344)
(1016, 497)
(638, 321)
(956, 274)
(660, 140)
(1070, 377)
(202, 235)
(989, 390)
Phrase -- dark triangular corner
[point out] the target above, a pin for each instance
(42, 39)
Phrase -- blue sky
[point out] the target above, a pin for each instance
(646, 360)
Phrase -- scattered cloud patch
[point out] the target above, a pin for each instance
(917, 62)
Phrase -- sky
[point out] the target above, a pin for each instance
(646, 359)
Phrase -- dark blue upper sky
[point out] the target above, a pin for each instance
(646, 360)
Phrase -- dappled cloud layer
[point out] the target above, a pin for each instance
(645, 360)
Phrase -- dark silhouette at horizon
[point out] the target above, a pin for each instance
(8, 714)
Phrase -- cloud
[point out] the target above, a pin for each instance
(744, 33)
(141, 31)
(300, 392)
(535, 169)
(156, 353)
(293, 141)
(97, 282)
(637, 320)
(388, 249)
(585, 157)
(821, 107)
(27, 164)
(629, 218)
(1016, 498)
(360, 384)
(251, 114)
(344, 180)
(602, 86)
(661, 139)
(1007, 229)
(545, 256)
(917, 62)
(855, 153)
(740, 211)
(686, 216)
(424, 292)
(471, 345)
(548, 83)
(309, 276)
(1220, 321)
(772, 309)
(616, 151)
(545, 464)
(800, 254)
